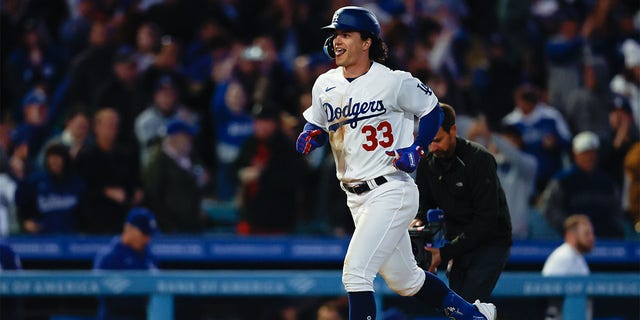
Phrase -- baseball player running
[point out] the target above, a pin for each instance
(366, 111)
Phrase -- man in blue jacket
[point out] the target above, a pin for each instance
(10, 307)
(128, 251)
(51, 200)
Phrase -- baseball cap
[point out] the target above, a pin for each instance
(35, 96)
(124, 55)
(176, 125)
(585, 141)
(142, 219)
(165, 82)
(631, 51)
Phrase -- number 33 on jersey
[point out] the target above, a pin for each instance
(371, 114)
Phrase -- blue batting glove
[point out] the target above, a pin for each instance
(306, 141)
(406, 159)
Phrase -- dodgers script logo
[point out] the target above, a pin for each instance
(354, 112)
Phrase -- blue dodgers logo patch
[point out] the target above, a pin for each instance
(353, 112)
(54, 202)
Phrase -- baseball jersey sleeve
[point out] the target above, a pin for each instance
(415, 97)
(314, 114)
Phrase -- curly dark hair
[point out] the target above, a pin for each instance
(379, 51)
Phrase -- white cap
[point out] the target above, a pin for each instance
(631, 52)
(585, 141)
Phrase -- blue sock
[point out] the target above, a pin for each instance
(435, 293)
(362, 306)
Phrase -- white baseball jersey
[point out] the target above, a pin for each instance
(372, 114)
(566, 261)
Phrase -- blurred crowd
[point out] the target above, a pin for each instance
(191, 109)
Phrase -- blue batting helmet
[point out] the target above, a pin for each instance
(354, 18)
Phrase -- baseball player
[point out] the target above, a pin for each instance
(128, 251)
(366, 112)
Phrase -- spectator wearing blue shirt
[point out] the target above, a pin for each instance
(35, 62)
(74, 32)
(129, 251)
(50, 200)
(199, 58)
(545, 133)
(34, 129)
(234, 125)
(564, 55)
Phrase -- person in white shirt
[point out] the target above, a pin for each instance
(568, 259)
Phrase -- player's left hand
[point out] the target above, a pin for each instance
(406, 159)
(416, 223)
(435, 258)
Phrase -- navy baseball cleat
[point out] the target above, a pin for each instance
(488, 310)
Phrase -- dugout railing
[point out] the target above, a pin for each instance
(163, 286)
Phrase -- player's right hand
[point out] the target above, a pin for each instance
(306, 141)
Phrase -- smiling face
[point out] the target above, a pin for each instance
(352, 52)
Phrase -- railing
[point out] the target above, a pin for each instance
(162, 286)
(288, 249)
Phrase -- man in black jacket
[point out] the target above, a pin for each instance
(459, 176)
